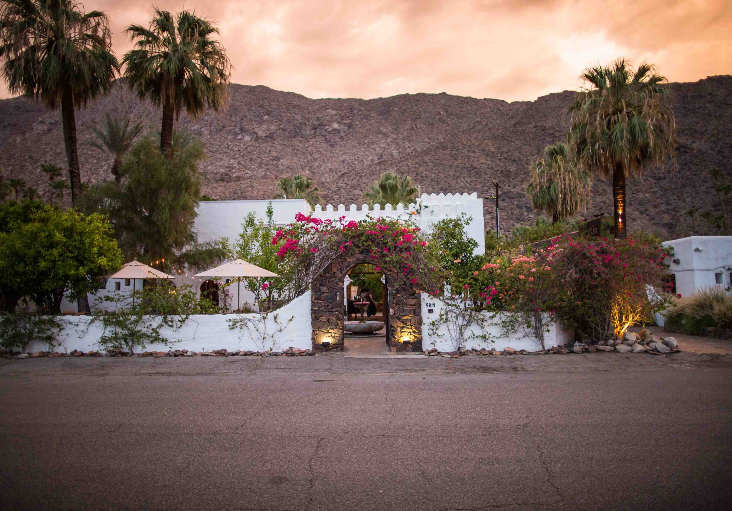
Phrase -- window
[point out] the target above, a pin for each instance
(127, 282)
(718, 278)
(117, 285)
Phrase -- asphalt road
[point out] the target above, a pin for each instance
(595, 431)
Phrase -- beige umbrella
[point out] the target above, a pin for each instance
(237, 268)
(136, 270)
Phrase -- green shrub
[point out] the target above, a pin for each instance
(709, 307)
(19, 329)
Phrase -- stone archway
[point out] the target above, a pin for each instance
(405, 308)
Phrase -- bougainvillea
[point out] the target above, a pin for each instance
(398, 246)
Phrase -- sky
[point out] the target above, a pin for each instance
(504, 49)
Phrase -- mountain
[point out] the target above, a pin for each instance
(446, 143)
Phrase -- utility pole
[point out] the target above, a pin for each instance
(498, 217)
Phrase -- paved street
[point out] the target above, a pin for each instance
(594, 431)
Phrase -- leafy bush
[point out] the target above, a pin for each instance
(709, 307)
(19, 329)
(137, 319)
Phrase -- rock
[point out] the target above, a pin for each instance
(485, 352)
(660, 347)
(22, 355)
(577, 349)
(208, 354)
(671, 343)
(606, 348)
(629, 343)
(622, 348)
(638, 348)
(644, 334)
(559, 350)
(39, 354)
(77, 353)
(629, 336)
(611, 342)
(508, 350)
(592, 348)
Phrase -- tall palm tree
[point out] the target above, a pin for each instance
(298, 187)
(392, 189)
(176, 63)
(622, 122)
(55, 52)
(557, 186)
(116, 137)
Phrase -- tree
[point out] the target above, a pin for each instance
(391, 189)
(153, 210)
(177, 64)
(53, 51)
(116, 137)
(298, 187)
(46, 253)
(691, 212)
(53, 172)
(59, 187)
(557, 186)
(621, 123)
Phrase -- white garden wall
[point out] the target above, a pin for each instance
(206, 332)
(523, 339)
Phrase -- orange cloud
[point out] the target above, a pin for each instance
(512, 50)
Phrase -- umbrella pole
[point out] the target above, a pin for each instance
(238, 294)
(134, 281)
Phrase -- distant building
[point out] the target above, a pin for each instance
(701, 261)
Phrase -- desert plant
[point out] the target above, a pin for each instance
(116, 137)
(298, 187)
(55, 52)
(17, 330)
(557, 186)
(178, 64)
(392, 189)
(708, 307)
(621, 123)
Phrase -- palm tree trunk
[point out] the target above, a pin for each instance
(621, 223)
(116, 168)
(72, 155)
(166, 134)
(555, 217)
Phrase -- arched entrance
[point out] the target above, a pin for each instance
(404, 330)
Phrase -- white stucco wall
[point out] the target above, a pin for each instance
(223, 219)
(433, 209)
(522, 339)
(699, 258)
(205, 332)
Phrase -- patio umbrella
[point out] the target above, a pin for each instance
(136, 270)
(237, 268)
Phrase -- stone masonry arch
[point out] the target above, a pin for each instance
(405, 309)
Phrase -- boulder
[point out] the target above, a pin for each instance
(629, 336)
(671, 343)
(644, 334)
(23, 355)
(605, 348)
(592, 348)
(660, 347)
(577, 348)
(623, 348)
(638, 348)
(509, 351)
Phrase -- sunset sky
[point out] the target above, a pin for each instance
(506, 49)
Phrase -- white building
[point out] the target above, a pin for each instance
(701, 261)
(223, 219)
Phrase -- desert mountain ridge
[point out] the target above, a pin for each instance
(448, 144)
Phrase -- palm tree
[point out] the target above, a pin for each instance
(557, 186)
(176, 63)
(116, 137)
(298, 187)
(55, 52)
(621, 123)
(692, 213)
(18, 186)
(53, 172)
(59, 187)
(391, 189)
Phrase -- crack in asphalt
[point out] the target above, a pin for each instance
(311, 479)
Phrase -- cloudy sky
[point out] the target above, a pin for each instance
(506, 49)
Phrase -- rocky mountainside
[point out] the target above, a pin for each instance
(446, 143)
